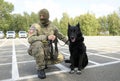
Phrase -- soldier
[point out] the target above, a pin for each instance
(41, 37)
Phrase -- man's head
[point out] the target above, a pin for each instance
(44, 16)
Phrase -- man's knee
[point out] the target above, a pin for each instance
(59, 59)
(35, 49)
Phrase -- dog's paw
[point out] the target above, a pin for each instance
(72, 71)
(78, 72)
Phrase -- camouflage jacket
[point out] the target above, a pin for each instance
(38, 32)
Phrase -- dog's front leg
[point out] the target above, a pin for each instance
(80, 64)
(72, 64)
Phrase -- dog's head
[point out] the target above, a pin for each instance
(74, 32)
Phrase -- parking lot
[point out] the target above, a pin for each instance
(103, 53)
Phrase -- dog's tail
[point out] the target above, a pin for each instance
(67, 61)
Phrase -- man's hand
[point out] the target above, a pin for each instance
(51, 37)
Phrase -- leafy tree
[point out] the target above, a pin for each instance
(103, 21)
(34, 18)
(76, 20)
(5, 10)
(56, 22)
(27, 20)
(17, 23)
(89, 24)
(114, 24)
(64, 23)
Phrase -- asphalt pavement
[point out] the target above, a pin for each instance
(103, 53)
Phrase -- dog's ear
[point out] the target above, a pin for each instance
(78, 25)
(79, 29)
(69, 25)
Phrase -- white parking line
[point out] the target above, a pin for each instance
(5, 64)
(106, 56)
(27, 77)
(62, 67)
(103, 64)
(15, 74)
(3, 43)
(93, 62)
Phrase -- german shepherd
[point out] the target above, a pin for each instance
(77, 48)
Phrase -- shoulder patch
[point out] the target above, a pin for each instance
(32, 30)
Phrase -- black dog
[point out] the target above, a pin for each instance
(77, 48)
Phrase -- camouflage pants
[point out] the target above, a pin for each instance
(38, 51)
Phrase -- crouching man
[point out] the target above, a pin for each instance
(42, 37)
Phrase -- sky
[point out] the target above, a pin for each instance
(72, 7)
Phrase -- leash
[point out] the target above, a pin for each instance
(63, 44)
(51, 49)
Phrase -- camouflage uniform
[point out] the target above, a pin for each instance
(39, 46)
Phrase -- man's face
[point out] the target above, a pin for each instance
(42, 18)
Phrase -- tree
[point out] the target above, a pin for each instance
(76, 20)
(17, 23)
(114, 23)
(103, 21)
(5, 17)
(89, 24)
(55, 21)
(34, 18)
(64, 23)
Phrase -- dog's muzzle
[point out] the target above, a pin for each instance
(72, 39)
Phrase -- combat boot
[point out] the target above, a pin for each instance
(41, 74)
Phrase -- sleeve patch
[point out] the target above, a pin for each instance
(32, 30)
